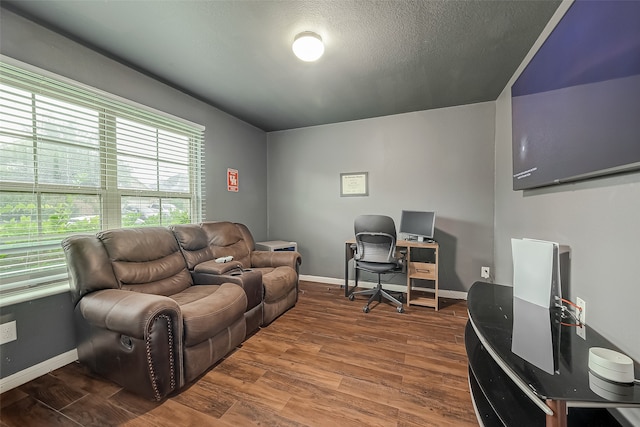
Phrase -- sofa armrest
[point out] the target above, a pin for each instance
(133, 339)
(249, 280)
(276, 259)
(128, 313)
(213, 267)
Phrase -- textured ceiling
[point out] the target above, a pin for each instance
(381, 57)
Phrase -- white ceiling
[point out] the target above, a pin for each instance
(381, 57)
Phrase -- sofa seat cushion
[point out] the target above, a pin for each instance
(209, 309)
(278, 282)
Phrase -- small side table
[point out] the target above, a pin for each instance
(277, 245)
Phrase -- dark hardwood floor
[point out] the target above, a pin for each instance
(323, 363)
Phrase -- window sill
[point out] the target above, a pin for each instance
(24, 295)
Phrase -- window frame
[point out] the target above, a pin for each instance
(110, 198)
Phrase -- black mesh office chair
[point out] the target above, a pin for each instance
(375, 252)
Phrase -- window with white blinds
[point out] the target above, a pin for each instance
(77, 160)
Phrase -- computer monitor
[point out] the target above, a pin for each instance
(418, 225)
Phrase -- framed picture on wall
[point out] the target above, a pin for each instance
(354, 184)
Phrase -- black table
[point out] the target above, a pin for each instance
(528, 369)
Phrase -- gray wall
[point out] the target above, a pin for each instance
(599, 219)
(45, 329)
(229, 143)
(438, 160)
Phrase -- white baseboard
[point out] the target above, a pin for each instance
(442, 293)
(320, 279)
(35, 371)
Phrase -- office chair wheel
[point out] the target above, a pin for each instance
(366, 309)
(352, 297)
(400, 309)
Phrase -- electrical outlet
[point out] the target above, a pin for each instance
(485, 272)
(582, 314)
(8, 332)
(581, 331)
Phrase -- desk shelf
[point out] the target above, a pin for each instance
(418, 295)
(422, 279)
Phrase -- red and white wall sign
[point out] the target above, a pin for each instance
(232, 180)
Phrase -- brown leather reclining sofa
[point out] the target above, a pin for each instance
(151, 318)
(203, 243)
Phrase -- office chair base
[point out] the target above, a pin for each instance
(366, 309)
(378, 293)
(352, 295)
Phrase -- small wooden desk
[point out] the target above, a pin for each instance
(416, 270)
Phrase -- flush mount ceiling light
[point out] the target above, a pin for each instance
(308, 46)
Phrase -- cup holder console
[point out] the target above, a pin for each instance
(240, 273)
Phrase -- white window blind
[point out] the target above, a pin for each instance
(77, 160)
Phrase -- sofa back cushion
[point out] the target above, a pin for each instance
(246, 236)
(194, 244)
(226, 238)
(146, 260)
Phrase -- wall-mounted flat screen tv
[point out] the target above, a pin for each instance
(576, 105)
